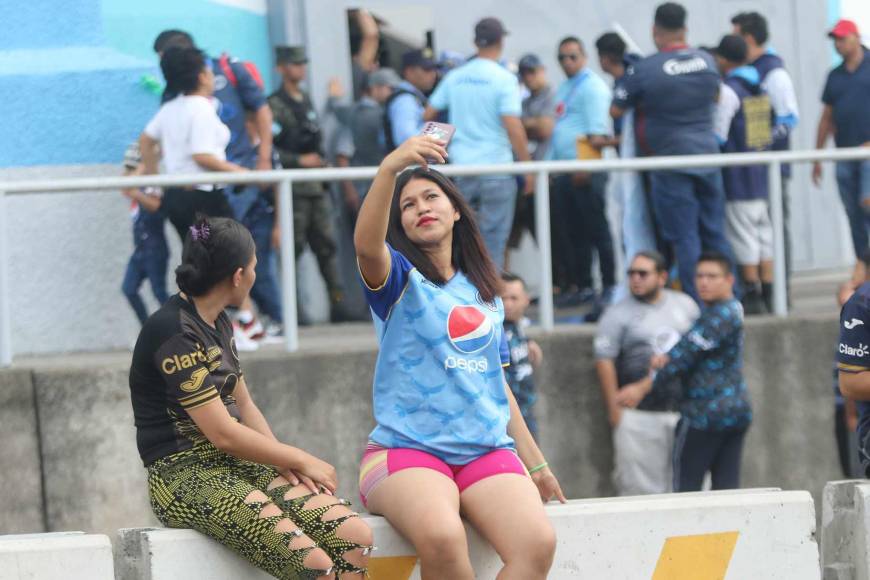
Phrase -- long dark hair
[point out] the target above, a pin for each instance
(469, 254)
(213, 250)
(181, 67)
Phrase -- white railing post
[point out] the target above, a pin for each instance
(542, 228)
(288, 266)
(5, 321)
(780, 292)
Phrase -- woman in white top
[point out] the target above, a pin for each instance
(191, 137)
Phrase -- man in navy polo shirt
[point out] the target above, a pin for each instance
(678, 88)
(846, 116)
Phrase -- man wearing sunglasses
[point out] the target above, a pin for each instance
(646, 323)
(715, 410)
(581, 130)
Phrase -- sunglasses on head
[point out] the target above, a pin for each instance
(562, 57)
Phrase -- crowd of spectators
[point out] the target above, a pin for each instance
(681, 100)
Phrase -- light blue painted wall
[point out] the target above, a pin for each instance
(71, 72)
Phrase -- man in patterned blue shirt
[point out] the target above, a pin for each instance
(715, 409)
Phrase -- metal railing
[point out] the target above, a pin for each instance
(542, 169)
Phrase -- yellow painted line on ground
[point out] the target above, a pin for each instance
(392, 568)
(701, 557)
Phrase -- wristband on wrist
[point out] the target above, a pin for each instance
(537, 468)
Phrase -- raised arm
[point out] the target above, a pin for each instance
(370, 235)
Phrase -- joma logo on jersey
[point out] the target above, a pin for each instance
(175, 363)
(197, 378)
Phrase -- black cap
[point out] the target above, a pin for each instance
(424, 58)
(290, 54)
(529, 62)
(489, 31)
(732, 48)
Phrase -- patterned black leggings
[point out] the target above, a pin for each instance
(205, 489)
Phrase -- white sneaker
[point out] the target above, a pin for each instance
(243, 342)
(274, 334)
(254, 329)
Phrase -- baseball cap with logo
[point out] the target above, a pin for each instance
(844, 28)
(489, 31)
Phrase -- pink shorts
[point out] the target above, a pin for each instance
(378, 463)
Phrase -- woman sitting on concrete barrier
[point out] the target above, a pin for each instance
(450, 438)
(213, 463)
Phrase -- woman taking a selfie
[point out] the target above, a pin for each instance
(213, 463)
(450, 438)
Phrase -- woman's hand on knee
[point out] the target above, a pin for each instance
(316, 473)
(548, 485)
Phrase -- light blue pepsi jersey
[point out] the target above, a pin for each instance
(439, 384)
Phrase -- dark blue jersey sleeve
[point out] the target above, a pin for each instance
(504, 351)
(853, 352)
(382, 298)
(628, 92)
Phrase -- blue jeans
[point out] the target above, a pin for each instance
(266, 293)
(493, 200)
(146, 263)
(853, 179)
(255, 213)
(690, 209)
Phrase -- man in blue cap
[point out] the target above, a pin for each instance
(404, 109)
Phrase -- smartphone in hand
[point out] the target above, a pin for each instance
(441, 131)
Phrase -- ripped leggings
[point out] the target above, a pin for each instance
(207, 490)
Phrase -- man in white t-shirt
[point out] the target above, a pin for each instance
(483, 102)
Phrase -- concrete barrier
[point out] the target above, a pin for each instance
(58, 556)
(845, 549)
(320, 400)
(20, 461)
(737, 535)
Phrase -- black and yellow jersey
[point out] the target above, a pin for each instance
(180, 363)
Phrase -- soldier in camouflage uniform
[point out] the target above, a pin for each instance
(297, 141)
